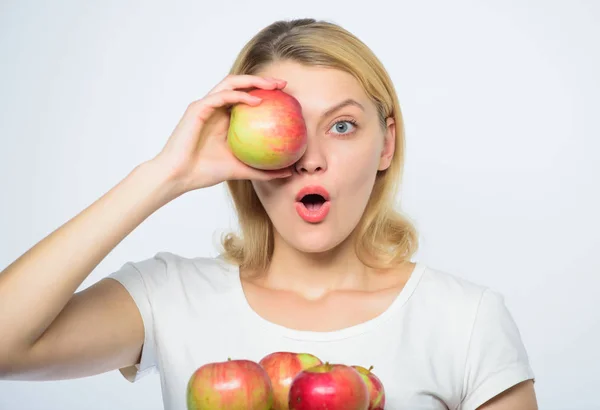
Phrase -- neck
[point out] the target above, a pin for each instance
(315, 274)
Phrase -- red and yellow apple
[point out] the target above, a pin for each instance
(282, 367)
(231, 385)
(270, 135)
(374, 386)
(329, 386)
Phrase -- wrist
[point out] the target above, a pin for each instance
(163, 181)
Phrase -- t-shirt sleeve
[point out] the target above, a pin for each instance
(141, 279)
(496, 359)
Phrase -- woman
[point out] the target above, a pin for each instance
(342, 288)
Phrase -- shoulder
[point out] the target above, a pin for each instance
(460, 298)
(450, 293)
(468, 307)
(492, 354)
(168, 270)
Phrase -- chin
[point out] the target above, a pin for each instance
(314, 240)
(314, 247)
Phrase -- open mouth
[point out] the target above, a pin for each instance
(312, 203)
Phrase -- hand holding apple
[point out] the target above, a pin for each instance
(197, 154)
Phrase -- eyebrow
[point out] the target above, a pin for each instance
(341, 105)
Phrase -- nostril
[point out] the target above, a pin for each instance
(305, 169)
(310, 166)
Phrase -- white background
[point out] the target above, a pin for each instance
(501, 102)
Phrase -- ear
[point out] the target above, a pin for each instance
(389, 144)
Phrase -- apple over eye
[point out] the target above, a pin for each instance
(329, 386)
(268, 136)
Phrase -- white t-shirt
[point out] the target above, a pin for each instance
(443, 343)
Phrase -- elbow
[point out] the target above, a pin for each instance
(6, 369)
(10, 364)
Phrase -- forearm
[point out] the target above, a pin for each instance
(36, 287)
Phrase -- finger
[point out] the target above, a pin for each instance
(270, 175)
(204, 108)
(247, 81)
(262, 175)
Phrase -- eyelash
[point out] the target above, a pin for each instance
(351, 121)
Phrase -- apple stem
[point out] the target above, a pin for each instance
(370, 368)
(229, 359)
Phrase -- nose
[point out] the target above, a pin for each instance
(313, 161)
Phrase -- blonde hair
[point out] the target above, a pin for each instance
(384, 237)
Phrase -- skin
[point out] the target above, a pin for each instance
(70, 335)
(519, 397)
(314, 269)
(99, 329)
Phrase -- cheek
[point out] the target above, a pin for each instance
(356, 167)
(267, 192)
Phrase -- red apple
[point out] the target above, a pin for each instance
(231, 385)
(271, 135)
(282, 367)
(375, 387)
(329, 386)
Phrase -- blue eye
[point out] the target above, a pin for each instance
(341, 127)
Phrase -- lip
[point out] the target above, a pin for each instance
(312, 215)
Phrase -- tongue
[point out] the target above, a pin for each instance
(313, 206)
